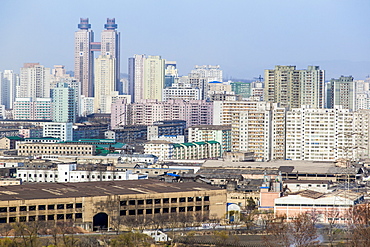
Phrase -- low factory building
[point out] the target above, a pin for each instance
(104, 205)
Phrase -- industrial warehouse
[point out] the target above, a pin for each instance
(100, 205)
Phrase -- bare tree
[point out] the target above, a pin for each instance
(359, 227)
(300, 232)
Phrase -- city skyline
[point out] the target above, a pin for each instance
(244, 37)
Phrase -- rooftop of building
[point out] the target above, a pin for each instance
(90, 189)
(288, 166)
(296, 181)
(211, 127)
(338, 193)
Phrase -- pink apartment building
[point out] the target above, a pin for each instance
(146, 112)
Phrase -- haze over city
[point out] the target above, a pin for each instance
(243, 37)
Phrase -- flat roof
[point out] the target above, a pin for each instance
(89, 189)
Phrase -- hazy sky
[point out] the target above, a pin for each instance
(243, 36)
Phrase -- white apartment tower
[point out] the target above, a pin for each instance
(136, 77)
(9, 81)
(105, 83)
(153, 77)
(34, 81)
(327, 134)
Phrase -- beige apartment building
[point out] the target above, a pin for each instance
(30, 149)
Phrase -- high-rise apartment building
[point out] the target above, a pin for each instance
(223, 110)
(342, 92)
(105, 83)
(136, 77)
(9, 81)
(261, 131)
(291, 87)
(34, 81)
(84, 53)
(153, 77)
(110, 46)
(84, 57)
(32, 109)
(64, 103)
(327, 134)
(146, 112)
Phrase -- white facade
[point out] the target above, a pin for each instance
(153, 77)
(326, 134)
(63, 131)
(67, 173)
(181, 93)
(325, 207)
(87, 105)
(169, 138)
(32, 109)
(9, 82)
(34, 81)
(105, 83)
(162, 149)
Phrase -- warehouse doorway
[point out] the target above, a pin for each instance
(100, 222)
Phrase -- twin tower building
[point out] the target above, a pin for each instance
(99, 77)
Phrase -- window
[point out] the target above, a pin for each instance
(122, 212)
(182, 199)
(149, 211)
(206, 198)
(190, 209)
(3, 210)
(198, 198)
(12, 209)
(157, 201)
(22, 219)
(78, 215)
(166, 200)
(69, 216)
(2, 220)
(132, 202)
(165, 210)
(60, 206)
(69, 206)
(12, 219)
(41, 218)
(140, 211)
(157, 210)
(78, 205)
(149, 201)
(190, 199)
(198, 208)
(31, 208)
(173, 200)
(22, 208)
(60, 216)
(140, 202)
(181, 209)
(123, 203)
(42, 207)
(131, 212)
(173, 210)
(51, 207)
(31, 218)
